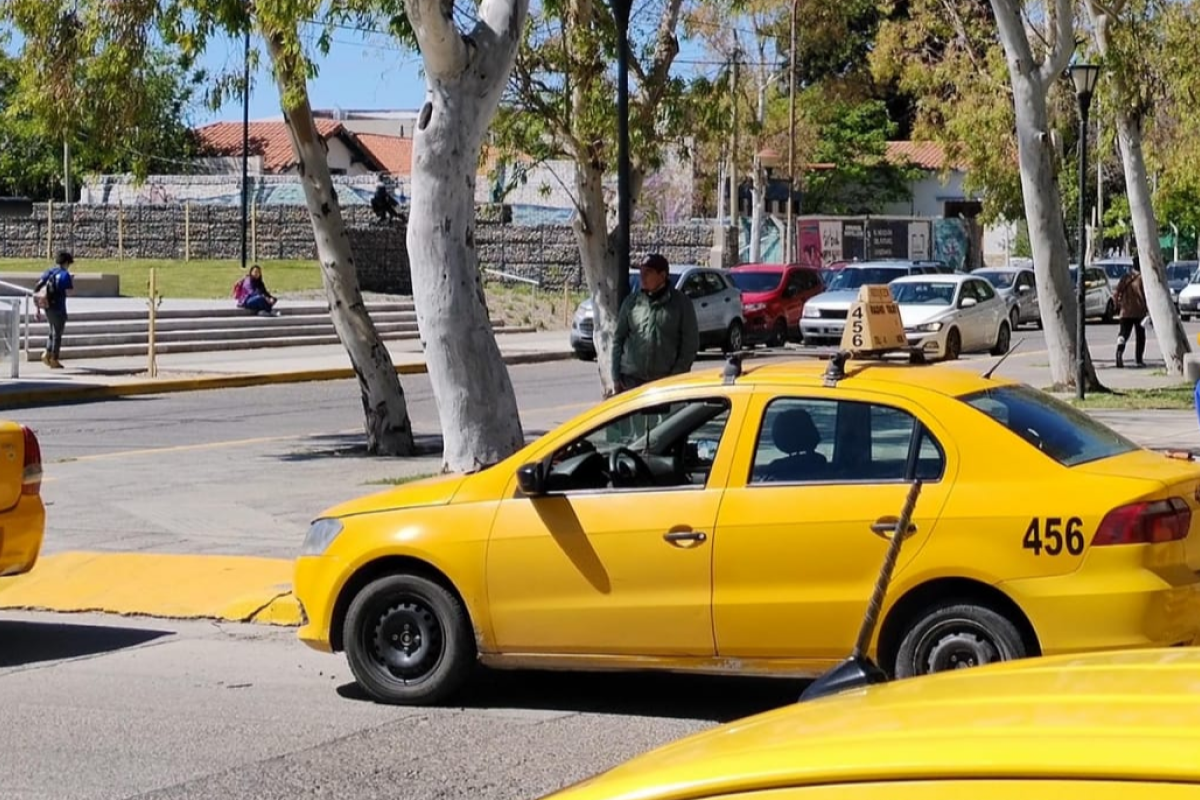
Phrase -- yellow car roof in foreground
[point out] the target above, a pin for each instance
(878, 375)
(1131, 715)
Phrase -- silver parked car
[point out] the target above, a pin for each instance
(824, 317)
(1016, 284)
(718, 304)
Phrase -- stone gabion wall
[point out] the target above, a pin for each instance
(548, 254)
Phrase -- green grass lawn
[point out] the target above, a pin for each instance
(188, 280)
(1167, 397)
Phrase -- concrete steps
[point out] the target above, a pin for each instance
(109, 333)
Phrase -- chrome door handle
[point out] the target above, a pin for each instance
(886, 526)
(685, 536)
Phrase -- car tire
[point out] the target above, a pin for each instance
(955, 635)
(1003, 339)
(585, 355)
(734, 339)
(953, 345)
(1110, 313)
(1186, 317)
(779, 333)
(1014, 319)
(438, 655)
(1039, 322)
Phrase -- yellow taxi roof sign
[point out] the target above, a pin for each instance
(873, 324)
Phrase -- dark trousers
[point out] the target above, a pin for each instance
(58, 323)
(1131, 325)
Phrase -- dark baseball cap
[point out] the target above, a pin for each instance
(655, 262)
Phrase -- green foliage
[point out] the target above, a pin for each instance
(115, 115)
(853, 138)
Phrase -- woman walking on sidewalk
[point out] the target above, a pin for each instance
(1131, 307)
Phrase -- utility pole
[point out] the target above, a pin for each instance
(735, 227)
(789, 243)
(66, 171)
(246, 140)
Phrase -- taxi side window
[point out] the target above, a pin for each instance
(667, 445)
(840, 441)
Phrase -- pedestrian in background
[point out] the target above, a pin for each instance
(1131, 310)
(657, 334)
(50, 294)
(251, 294)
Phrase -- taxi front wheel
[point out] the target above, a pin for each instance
(957, 636)
(409, 641)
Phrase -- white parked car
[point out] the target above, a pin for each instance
(1188, 298)
(824, 317)
(947, 315)
(1098, 292)
(717, 300)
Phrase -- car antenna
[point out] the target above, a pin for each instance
(996, 366)
(859, 670)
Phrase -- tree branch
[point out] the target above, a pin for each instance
(438, 38)
(1012, 32)
(1063, 46)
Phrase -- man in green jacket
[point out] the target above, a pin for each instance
(657, 334)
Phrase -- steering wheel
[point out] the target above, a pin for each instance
(628, 468)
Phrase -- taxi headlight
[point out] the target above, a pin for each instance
(812, 311)
(320, 535)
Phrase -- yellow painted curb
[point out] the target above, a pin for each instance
(160, 386)
(234, 588)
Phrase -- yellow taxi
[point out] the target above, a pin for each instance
(1098, 726)
(22, 515)
(733, 521)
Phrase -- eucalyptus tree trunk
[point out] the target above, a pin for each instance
(465, 76)
(1031, 79)
(1168, 329)
(386, 422)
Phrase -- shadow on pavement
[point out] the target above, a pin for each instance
(24, 642)
(642, 694)
(343, 445)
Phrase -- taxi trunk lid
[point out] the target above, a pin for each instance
(1156, 480)
(15, 471)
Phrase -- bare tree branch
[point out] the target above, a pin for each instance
(441, 44)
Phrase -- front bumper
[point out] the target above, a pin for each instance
(1111, 605)
(932, 343)
(316, 583)
(22, 530)
(757, 328)
(819, 330)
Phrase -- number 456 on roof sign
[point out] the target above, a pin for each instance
(873, 323)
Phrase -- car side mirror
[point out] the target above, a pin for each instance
(1026, 289)
(531, 479)
(968, 302)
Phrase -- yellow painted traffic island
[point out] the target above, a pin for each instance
(234, 588)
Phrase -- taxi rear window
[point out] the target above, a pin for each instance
(1061, 431)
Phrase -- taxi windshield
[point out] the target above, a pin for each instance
(1063, 432)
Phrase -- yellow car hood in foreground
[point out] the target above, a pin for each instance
(1125, 715)
(429, 492)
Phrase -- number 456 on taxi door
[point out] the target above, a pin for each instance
(1054, 536)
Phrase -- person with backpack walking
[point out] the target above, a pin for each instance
(50, 294)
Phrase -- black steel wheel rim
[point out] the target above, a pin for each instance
(407, 641)
(735, 337)
(955, 644)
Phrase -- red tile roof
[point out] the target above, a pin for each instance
(269, 140)
(927, 155)
(393, 152)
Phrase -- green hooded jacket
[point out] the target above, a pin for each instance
(656, 335)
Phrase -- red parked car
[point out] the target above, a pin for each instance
(773, 297)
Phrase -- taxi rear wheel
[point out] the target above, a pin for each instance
(957, 636)
(408, 641)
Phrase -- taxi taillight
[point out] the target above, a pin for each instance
(1145, 523)
(31, 477)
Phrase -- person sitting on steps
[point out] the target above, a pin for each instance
(383, 203)
(251, 294)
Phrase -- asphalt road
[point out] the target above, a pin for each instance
(106, 707)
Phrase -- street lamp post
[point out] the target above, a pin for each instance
(1084, 77)
(789, 246)
(246, 143)
(621, 11)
